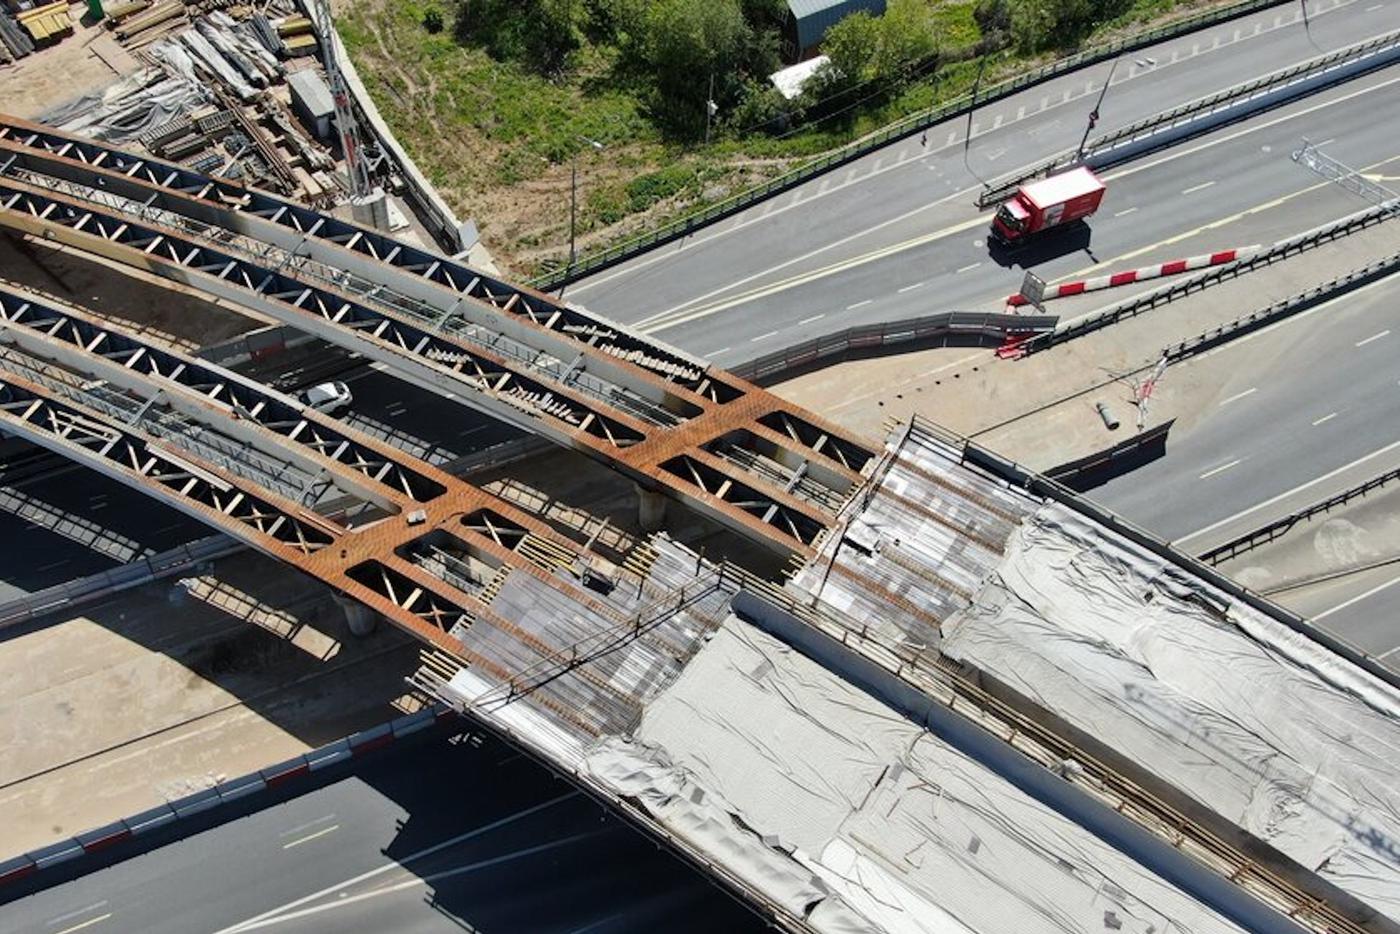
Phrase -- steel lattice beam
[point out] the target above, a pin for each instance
(701, 413)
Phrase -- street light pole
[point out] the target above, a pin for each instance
(573, 211)
(1094, 114)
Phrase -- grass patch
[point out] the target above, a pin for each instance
(498, 140)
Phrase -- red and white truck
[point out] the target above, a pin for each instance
(1050, 202)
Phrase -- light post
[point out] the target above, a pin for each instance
(1094, 114)
(573, 209)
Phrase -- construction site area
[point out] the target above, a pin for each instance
(301, 500)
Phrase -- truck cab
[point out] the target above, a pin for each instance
(1047, 203)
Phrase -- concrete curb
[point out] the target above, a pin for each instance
(273, 776)
(1127, 277)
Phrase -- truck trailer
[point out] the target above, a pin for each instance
(1050, 202)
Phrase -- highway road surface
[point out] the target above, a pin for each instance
(1314, 397)
(895, 234)
(437, 835)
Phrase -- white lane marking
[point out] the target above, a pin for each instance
(1240, 395)
(969, 267)
(716, 353)
(311, 836)
(1125, 212)
(399, 864)
(763, 337)
(859, 304)
(80, 911)
(910, 288)
(306, 826)
(345, 899)
(1357, 599)
(1221, 469)
(1371, 9)
(86, 924)
(1195, 188)
(1325, 418)
(1388, 652)
(659, 256)
(813, 318)
(1373, 337)
(1287, 493)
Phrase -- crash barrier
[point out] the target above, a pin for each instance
(1283, 309)
(1085, 473)
(1280, 527)
(1208, 113)
(1131, 276)
(1044, 486)
(357, 744)
(1281, 250)
(954, 328)
(133, 574)
(900, 129)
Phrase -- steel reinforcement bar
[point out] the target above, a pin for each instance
(893, 132)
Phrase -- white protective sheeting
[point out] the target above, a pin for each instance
(1262, 726)
(910, 833)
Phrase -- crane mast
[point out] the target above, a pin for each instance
(356, 164)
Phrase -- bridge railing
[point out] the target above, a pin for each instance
(899, 129)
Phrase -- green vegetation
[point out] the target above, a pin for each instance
(495, 98)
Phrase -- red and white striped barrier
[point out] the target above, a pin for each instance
(1175, 267)
(358, 744)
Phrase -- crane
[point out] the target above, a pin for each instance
(357, 162)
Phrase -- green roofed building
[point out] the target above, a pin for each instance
(808, 21)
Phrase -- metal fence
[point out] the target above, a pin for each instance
(953, 328)
(1282, 309)
(1269, 91)
(1281, 250)
(907, 126)
(1279, 527)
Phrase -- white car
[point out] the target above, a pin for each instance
(328, 398)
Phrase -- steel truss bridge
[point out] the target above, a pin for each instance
(483, 582)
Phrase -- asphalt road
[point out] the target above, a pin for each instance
(840, 249)
(1236, 187)
(1311, 396)
(437, 835)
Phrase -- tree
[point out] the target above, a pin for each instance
(852, 45)
(540, 34)
(688, 41)
(906, 35)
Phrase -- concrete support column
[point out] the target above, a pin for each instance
(360, 618)
(651, 509)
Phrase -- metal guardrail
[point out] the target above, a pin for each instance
(1103, 145)
(897, 130)
(132, 574)
(1280, 527)
(975, 328)
(1281, 250)
(1282, 309)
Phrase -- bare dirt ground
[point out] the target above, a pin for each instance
(157, 693)
(86, 61)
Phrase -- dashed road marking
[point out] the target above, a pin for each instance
(910, 288)
(1240, 395)
(1221, 469)
(969, 267)
(1373, 337)
(813, 318)
(763, 337)
(86, 924)
(1326, 418)
(1195, 188)
(859, 304)
(311, 836)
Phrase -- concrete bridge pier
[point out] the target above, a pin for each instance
(651, 509)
